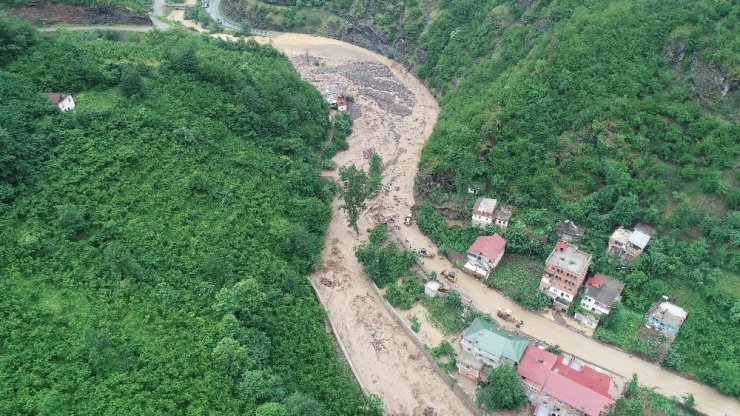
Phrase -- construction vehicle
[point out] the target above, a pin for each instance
(426, 254)
(451, 275)
(407, 220)
(506, 315)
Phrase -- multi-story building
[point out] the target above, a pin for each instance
(484, 255)
(563, 386)
(666, 318)
(565, 270)
(601, 293)
(491, 345)
(627, 245)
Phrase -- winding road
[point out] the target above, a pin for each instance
(394, 116)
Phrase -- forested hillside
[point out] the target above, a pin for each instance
(156, 239)
(136, 5)
(604, 113)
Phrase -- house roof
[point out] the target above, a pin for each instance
(503, 212)
(604, 289)
(490, 246)
(669, 313)
(639, 239)
(484, 206)
(569, 229)
(56, 97)
(576, 395)
(495, 341)
(433, 284)
(563, 378)
(536, 364)
(569, 257)
(621, 235)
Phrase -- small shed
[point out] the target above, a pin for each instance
(62, 100)
(431, 288)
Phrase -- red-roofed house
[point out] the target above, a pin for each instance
(559, 385)
(484, 255)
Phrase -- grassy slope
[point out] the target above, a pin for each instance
(129, 221)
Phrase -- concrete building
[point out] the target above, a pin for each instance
(487, 211)
(469, 366)
(484, 255)
(431, 288)
(628, 245)
(601, 292)
(666, 318)
(563, 386)
(492, 345)
(565, 271)
(568, 231)
(61, 100)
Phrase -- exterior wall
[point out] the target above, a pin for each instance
(561, 281)
(594, 306)
(662, 327)
(484, 356)
(468, 371)
(626, 251)
(481, 220)
(587, 320)
(502, 223)
(67, 103)
(556, 407)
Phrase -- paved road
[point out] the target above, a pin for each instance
(215, 12)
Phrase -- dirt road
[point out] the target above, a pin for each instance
(708, 400)
(394, 114)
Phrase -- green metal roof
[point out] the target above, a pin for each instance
(495, 341)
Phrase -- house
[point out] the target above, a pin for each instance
(492, 345)
(568, 231)
(628, 245)
(487, 211)
(565, 271)
(62, 100)
(561, 385)
(666, 317)
(469, 366)
(341, 103)
(484, 255)
(431, 288)
(601, 292)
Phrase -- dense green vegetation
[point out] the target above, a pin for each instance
(639, 401)
(136, 5)
(604, 113)
(382, 261)
(504, 391)
(156, 238)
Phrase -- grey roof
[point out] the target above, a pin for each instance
(495, 341)
(669, 313)
(639, 239)
(486, 205)
(606, 293)
(568, 230)
(569, 258)
(503, 212)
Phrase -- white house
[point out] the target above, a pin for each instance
(601, 293)
(487, 211)
(484, 255)
(62, 100)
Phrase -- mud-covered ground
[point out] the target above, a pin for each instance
(50, 14)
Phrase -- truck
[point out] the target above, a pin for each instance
(407, 220)
(451, 275)
(426, 254)
(506, 315)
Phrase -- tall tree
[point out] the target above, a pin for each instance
(504, 391)
(354, 190)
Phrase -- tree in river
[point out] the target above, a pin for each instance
(353, 190)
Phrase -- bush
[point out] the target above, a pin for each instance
(503, 392)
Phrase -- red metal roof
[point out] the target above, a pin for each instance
(536, 364)
(598, 280)
(490, 246)
(579, 386)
